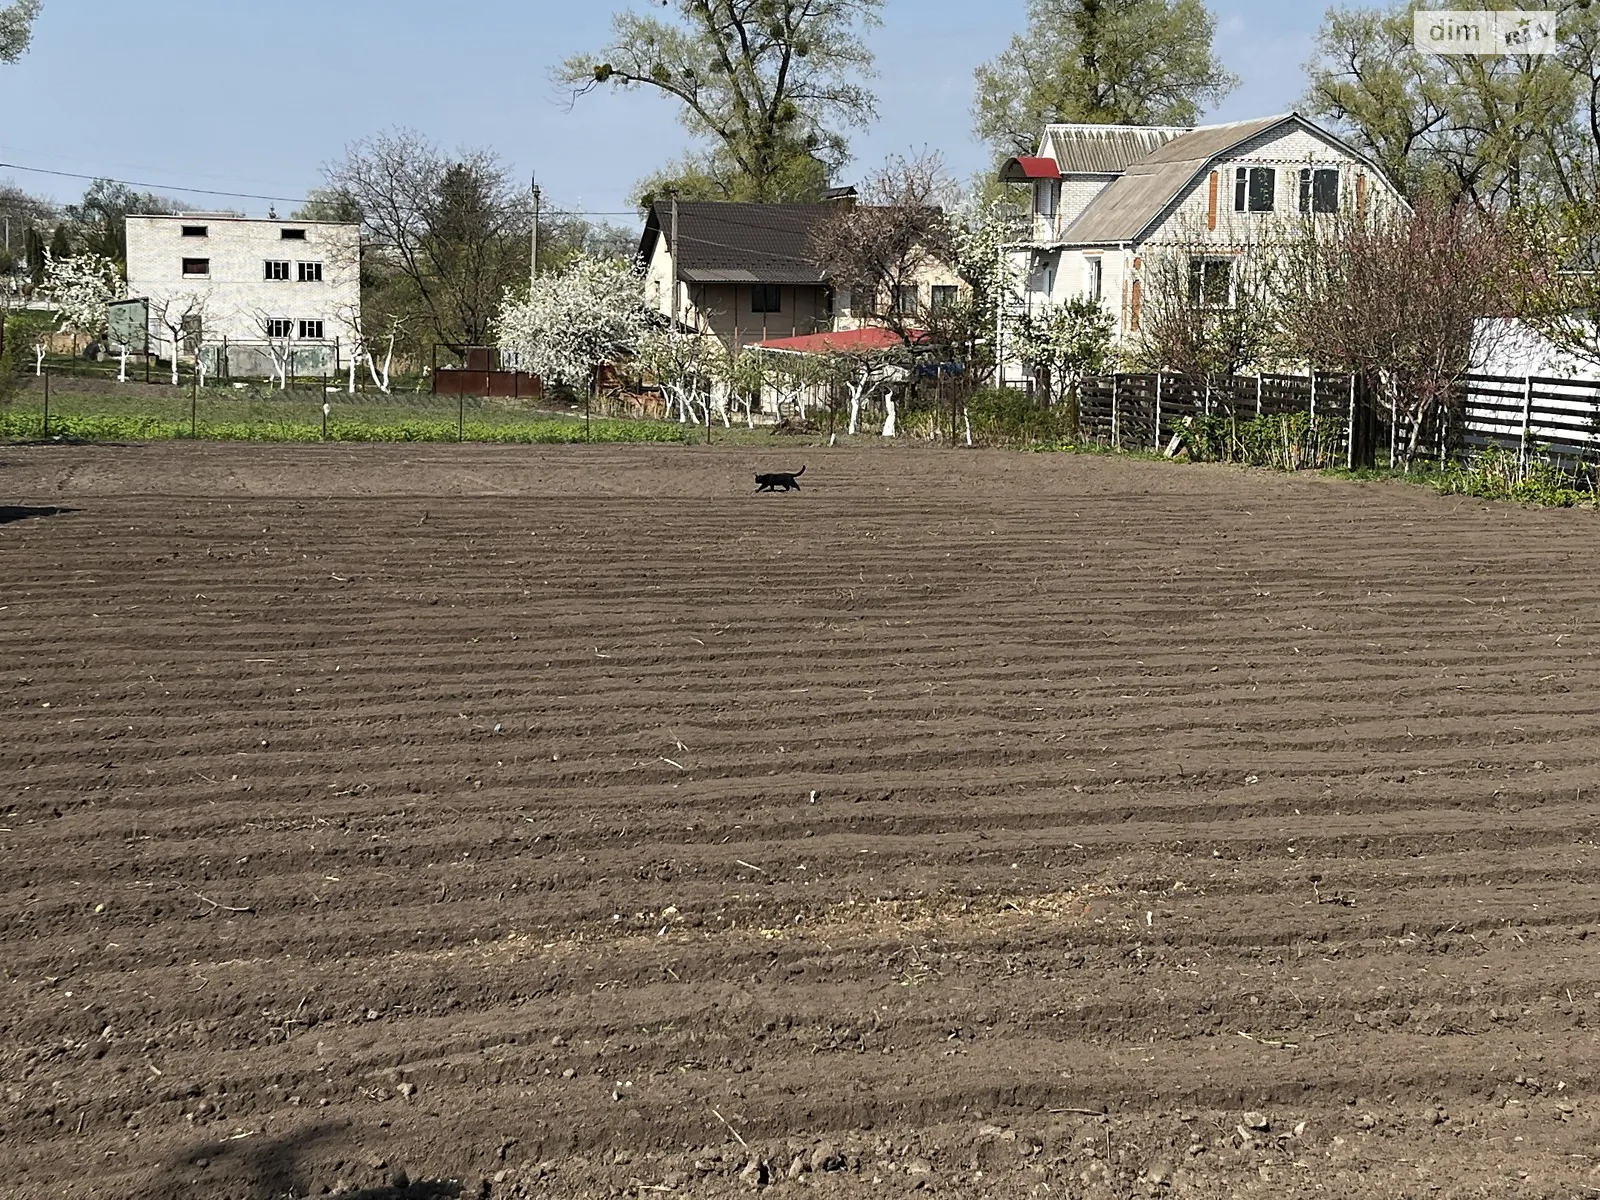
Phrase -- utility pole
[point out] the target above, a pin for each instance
(673, 248)
(533, 257)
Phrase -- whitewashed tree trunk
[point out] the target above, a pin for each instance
(888, 421)
(352, 388)
(855, 410)
(122, 364)
(199, 369)
(38, 359)
(176, 342)
(967, 421)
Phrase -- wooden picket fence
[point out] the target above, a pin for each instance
(1146, 411)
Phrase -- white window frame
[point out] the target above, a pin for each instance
(280, 327)
(308, 272)
(311, 329)
(276, 270)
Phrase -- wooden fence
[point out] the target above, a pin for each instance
(1145, 412)
(1531, 415)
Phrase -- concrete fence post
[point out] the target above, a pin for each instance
(1350, 430)
(1158, 414)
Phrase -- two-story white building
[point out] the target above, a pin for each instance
(1107, 198)
(248, 284)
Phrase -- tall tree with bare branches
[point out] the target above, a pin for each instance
(881, 246)
(443, 234)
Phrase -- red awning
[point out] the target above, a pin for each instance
(1020, 170)
(868, 337)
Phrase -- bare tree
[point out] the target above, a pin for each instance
(181, 316)
(371, 340)
(885, 245)
(1402, 298)
(859, 374)
(446, 234)
(1207, 312)
(277, 336)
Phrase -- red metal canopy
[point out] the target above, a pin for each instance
(1022, 169)
(868, 337)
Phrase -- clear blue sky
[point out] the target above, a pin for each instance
(252, 98)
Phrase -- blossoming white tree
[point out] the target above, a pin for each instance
(570, 325)
(82, 288)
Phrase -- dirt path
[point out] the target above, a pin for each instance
(572, 822)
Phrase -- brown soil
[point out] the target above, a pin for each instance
(574, 822)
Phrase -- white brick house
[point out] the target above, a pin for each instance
(292, 284)
(1105, 198)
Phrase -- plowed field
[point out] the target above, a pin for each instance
(570, 822)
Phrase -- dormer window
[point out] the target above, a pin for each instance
(1254, 189)
(1319, 189)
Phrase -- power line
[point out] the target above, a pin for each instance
(193, 191)
(157, 186)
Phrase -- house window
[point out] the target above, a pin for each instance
(192, 332)
(1045, 193)
(766, 298)
(905, 299)
(311, 331)
(310, 272)
(1096, 288)
(197, 266)
(280, 327)
(1319, 189)
(944, 297)
(194, 231)
(292, 235)
(277, 270)
(1210, 282)
(1254, 189)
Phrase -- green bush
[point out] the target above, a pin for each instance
(1498, 474)
(1285, 442)
(1008, 415)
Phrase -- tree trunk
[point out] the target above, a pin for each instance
(888, 421)
(176, 343)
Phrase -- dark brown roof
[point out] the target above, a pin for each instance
(722, 242)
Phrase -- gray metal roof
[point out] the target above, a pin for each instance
(1103, 149)
(1126, 208)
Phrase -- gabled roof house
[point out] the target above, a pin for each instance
(1106, 197)
(744, 272)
